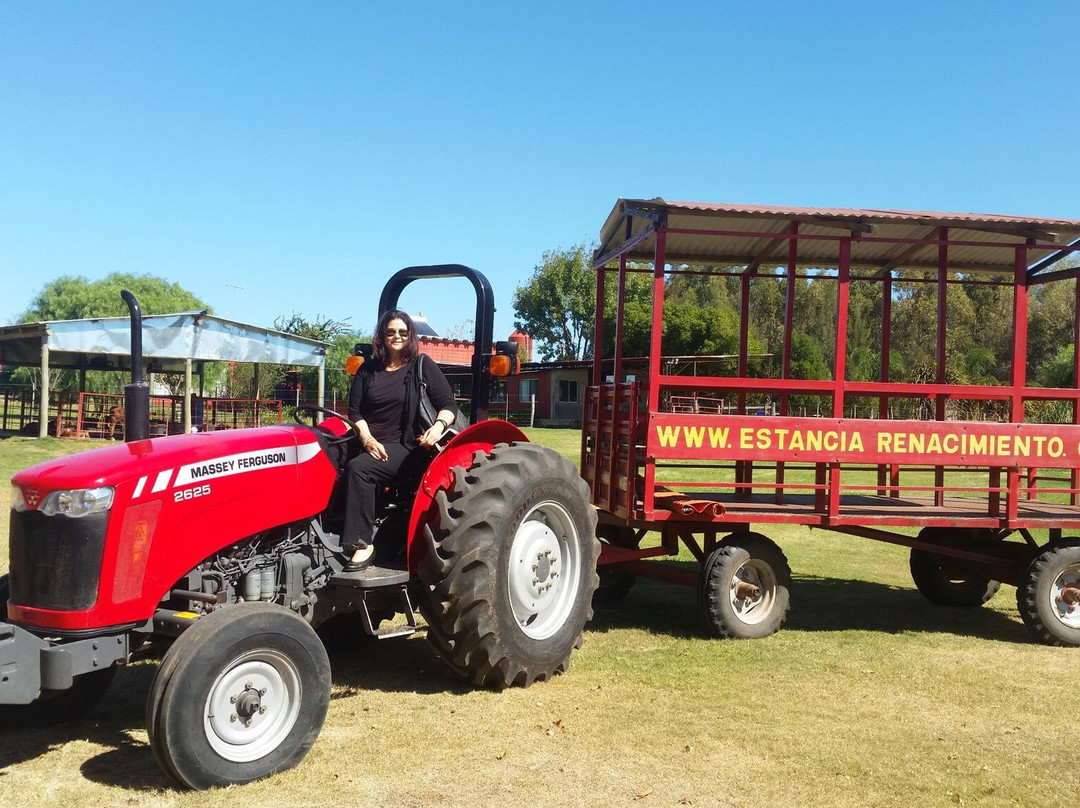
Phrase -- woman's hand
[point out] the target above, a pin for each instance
(375, 449)
(433, 435)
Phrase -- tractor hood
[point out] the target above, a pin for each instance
(175, 502)
(188, 457)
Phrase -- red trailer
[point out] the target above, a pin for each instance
(979, 502)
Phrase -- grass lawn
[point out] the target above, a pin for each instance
(869, 696)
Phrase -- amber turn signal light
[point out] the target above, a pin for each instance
(503, 365)
(352, 364)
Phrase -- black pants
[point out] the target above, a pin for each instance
(368, 476)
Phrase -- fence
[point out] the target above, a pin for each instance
(101, 415)
(19, 409)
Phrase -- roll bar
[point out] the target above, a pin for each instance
(485, 317)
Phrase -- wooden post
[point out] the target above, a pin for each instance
(43, 405)
(187, 395)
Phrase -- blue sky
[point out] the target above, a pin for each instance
(288, 157)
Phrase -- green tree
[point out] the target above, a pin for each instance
(324, 329)
(342, 339)
(807, 358)
(75, 298)
(1059, 371)
(815, 314)
(1051, 319)
(556, 305)
(993, 330)
(637, 315)
(691, 330)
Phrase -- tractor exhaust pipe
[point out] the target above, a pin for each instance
(136, 394)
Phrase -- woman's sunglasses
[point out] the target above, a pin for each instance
(401, 332)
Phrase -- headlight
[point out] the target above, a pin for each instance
(80, 502)
(18, 501)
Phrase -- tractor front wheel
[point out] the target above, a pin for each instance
(510, 567)
(240, 695)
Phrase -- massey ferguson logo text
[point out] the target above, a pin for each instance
(235, 464)
(223, 467)
(33, 497)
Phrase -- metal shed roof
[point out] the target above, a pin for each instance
(104, 343)
(884, 239)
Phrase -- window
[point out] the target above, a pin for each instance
(527, 388)
(568, 391)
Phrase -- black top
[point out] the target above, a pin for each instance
(388, 401)
(383, 404)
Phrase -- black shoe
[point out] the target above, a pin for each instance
(361, 563)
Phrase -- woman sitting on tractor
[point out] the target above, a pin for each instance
(384, 402)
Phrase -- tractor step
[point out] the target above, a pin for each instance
(394, 631)
(371, 578)
(369, 581)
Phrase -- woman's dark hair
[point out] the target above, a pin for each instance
(378, 341)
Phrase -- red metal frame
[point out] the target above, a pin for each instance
(623, 448)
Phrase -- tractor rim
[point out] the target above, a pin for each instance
(544, 568)
(1065, 596)
(252, 706)
(752, 608)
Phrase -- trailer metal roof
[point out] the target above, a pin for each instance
(757, 235)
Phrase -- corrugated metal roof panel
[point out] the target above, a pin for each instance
(867, 214)
(880, 238)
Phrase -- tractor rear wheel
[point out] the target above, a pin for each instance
(240, 695)
(510, 566)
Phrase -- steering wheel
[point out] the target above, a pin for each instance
(332, 440)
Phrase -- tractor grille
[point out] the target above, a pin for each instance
(55, 560)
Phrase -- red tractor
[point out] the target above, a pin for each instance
(226, 542)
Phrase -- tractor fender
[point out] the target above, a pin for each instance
(458, 451)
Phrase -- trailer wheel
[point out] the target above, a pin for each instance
(743, 591)
(240, 695)
(950, 581)
(614, 585)
(1049, 594)
(510, 567)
